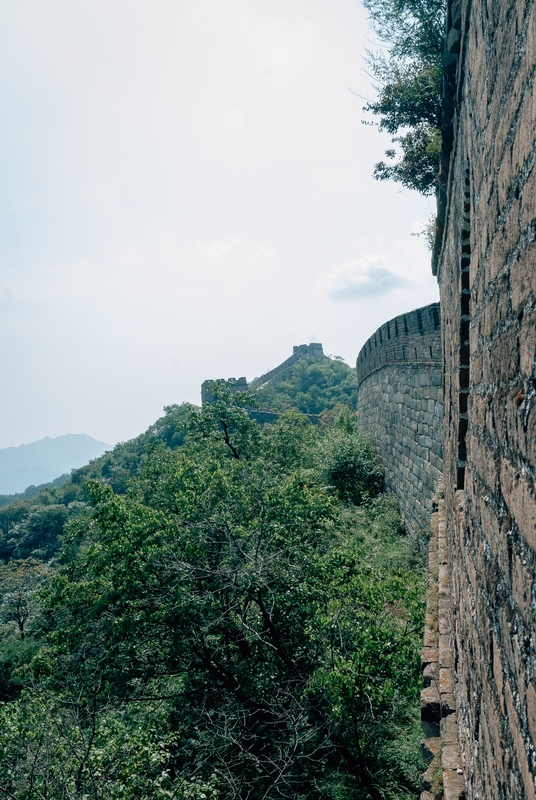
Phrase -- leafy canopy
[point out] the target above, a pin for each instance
(312, 387)
(232, 625)
(32, 525)
(408, 73)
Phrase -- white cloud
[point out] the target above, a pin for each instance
(389, 267)
(214, 250)
(362, 277)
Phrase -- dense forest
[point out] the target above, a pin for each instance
(214, 609)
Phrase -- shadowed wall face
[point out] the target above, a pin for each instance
(400, 406)
(485, 257)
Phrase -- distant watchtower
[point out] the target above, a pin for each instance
(314, 349)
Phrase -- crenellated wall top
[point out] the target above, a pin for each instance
(412, 338)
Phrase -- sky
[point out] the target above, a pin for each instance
(186, 193)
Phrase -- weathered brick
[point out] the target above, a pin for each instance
(492, 540)
(400, 407)
(519, 495)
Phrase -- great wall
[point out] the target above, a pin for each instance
(479, 657)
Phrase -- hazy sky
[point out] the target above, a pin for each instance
(186, 193)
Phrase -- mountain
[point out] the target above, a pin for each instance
(43, 461)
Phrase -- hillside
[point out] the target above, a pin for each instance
(32, 523)
(45, 460)
(243, 621)
(311, 386)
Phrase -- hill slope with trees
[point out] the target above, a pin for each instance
(31, 523)
(312, 386)
(242, 621)
(215, 609)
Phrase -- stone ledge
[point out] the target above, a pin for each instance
(453, 785)
(430, 748)
(438, 699)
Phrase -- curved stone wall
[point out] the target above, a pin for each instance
(400, 406)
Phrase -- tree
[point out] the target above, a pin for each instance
(409, 82)
(270, 624)
(347, 460)
(51, 748)
(19, 582)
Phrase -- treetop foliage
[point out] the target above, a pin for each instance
(312, 387)
(32, 526)
(409, 82)
(233, 625)
(411, 27)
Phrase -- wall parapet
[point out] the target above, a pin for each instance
(412, 338)
(400, 407)
(439, 713)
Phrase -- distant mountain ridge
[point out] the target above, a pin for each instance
(45, 460)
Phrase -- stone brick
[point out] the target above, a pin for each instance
(450, 757)
(531, 712)
(445, 651)
(400, 408)
(446, 684)
(430, 748)
(522, 580)
(429, 655)
(522, 277)
(519, 495)
(527, 339)
(453, 786)
(449, 729)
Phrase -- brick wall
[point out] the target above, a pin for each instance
(485, 260)
(400, 406)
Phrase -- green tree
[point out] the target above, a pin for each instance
(275, 629)
(33, 526)
(53, 748)
(347, 460)
(19, 582)
(408, 73)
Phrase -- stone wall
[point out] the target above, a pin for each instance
(485, 261)
(313, 351)
(236, 385)
(400, 406)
